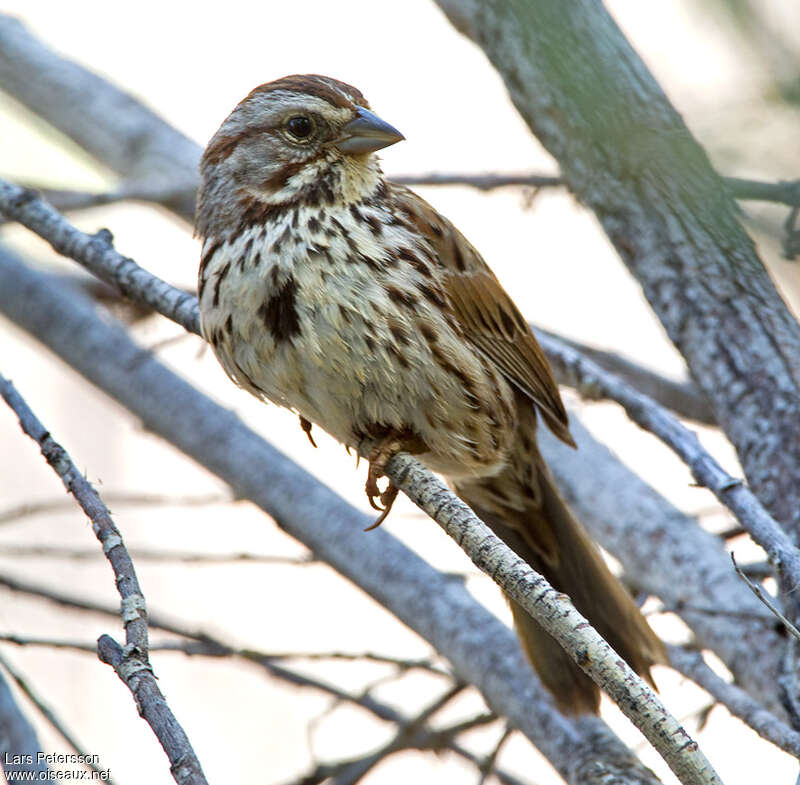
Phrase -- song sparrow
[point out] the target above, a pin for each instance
(348, 299)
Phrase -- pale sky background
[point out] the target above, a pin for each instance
(192, 64)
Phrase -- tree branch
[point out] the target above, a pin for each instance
(666, 553)
(557, 615)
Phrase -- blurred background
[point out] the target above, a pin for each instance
(732, 69)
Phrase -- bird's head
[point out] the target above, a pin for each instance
(298, 139)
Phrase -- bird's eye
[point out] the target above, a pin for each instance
(300, 127)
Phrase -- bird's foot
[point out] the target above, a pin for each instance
(379, 457)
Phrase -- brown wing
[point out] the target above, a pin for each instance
(488, 316)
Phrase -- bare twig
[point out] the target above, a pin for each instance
(30, 509)
(134, 613)
(55, 721)
(131, 663)
(96, 253)
(711, 610)
(487, 768)
(411, 734)
(151, 555)
(762, 596)
(204, 645)
(483, 182)
(783, 192)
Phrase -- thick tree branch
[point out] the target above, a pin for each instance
(626, 154)
(132, 663)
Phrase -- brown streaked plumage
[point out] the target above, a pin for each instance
(326, 289)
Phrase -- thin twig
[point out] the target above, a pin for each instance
(152, 555)
(762, 595)
(46, 506)
(483, 182)
(131, 663)
(487, 768)
(783, 192)
(407, 736)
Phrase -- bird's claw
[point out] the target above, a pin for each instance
(307, 426)
(379, 457)
(387, 500)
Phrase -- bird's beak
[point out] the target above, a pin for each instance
(366, 133)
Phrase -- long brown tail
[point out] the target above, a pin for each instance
(524, 508)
